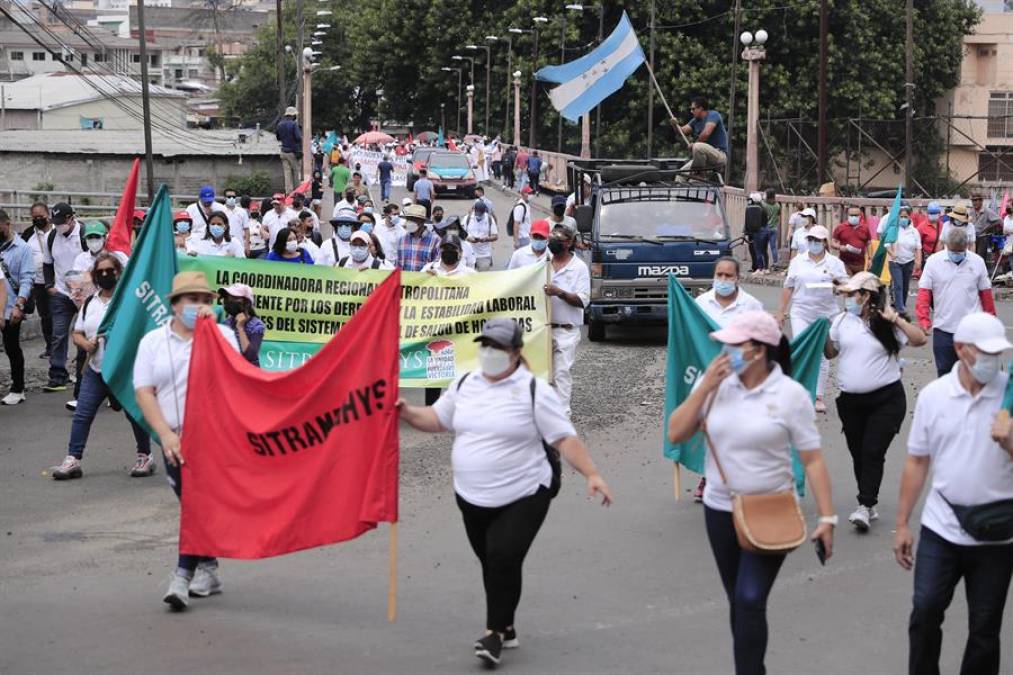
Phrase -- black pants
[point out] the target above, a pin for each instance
(45, 316)
(870, 422)
(752, 252)
(501, 538)
(12, 345)
(508, 175)
(428, 203)
(533, 177)
(186, 561)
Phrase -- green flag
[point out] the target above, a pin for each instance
(138, 304)
(690, 351)
(1007, 401)
(889, 236)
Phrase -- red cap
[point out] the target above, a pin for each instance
(139, 214)
(526, 190)
(540, 227)
(181, 215)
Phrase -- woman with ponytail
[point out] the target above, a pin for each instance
(868, 337)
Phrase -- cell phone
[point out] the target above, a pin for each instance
(821, 552)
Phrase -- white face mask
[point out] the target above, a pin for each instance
(493, 361)
(95, 244)
(986, 367)
(291, 246)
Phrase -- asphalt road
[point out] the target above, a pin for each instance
(631, 589)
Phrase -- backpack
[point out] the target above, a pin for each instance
(551, 454)
(510, 219)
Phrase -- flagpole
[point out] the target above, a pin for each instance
(677, 481)
(392, 582)
(670, 114)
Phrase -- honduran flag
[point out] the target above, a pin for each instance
(592, 78)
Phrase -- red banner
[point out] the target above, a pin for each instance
(119, 234)
(280, 462)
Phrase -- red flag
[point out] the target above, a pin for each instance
(278, 462)
(119, 235)
(451, 145)
(302, 188)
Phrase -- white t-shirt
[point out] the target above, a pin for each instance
(968, 467)
(86, 260)
(1007, 225)
(525, 256)
(796, 220)
(954, 287)
(812, 280)
(37, 242)
(66, 249)
(198, 217)
(226, 248)
(948, 225)
(522, 220)
(88, 320)
(163, 362)
(865, 364)
(274, 221)
(498, 456)
(799, 242)
(239, 222)
(256, 241)
(753, 431)
(389, 236)
(909, 241)
(481, 228)
(334, 249)
(436, 267)
(743, 302)
(574, 278)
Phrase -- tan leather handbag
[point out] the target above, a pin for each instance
(765, 523)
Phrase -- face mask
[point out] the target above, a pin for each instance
(738, 358)
(233, 307)
(217, 231)
(493, 361)
(95, 244)
(189, 316)
(724, 288)
(450, 256)
(366, 227)
(556, 246)
(182, 228)
(933, 217)
(985, 368)
(66, 228)
(39, 221)
(106, 280)
(538, 245)
(853, 306)
(359, 253)
(817, 247)
(368, 209)
(904, 222)
(854, 220)
(559, 211)
(230, 201)
(291, 246)
(344, 232)
(956, 258)
(411, 227)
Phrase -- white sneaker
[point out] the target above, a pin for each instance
(205, 581)
(13, 399)
(860, 518)
(70, 469)
(71, 405)
(177, 596)
(873, 514)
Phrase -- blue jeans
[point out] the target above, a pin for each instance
(900, 283)
(63, 310)
(775, 241)
(943, 351)
(747, 579)
(761, 242)
(939, 566)
(385, 189)
(93, 392)
(186, 561)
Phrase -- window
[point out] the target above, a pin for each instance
(194, 72)
(38, 56)
(153, 60)
(68, 57)
(1000, 114)
(135, 58)
(100, 57)
(84, 59)
(178, 73)
(997, 166)
(17, 56)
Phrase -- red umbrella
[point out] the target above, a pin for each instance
(374, 137)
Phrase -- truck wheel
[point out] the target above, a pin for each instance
(596, 331)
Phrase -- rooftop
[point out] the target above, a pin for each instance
(60, 89)
(177, 143)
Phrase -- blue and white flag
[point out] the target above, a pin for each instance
(592, 78)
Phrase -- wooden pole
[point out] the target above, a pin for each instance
(677, 481)
(149, 167)
(671, 116)
(392, 582)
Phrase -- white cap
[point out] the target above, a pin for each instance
(817, 232)
(809, 211)
(407, 201)
(984, 331)
(359, 235)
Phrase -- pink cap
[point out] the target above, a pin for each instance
(238, 291)
(526, 190)
(757, 325)
(359, 235)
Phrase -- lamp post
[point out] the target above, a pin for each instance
(460, 72)
(753, 54)
(308, 66)
(510, 54)
(469, 59)
(562, 60)
(517, 107)
(379, 115)
(488, 63)
(533, 102)
(471, 101)
(443, 116)
(585, 131)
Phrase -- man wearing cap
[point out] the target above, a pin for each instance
(929, 229)
(535, 252)
(959, 218)
(200, 211)
(521, 218)
(569, 293)
(851, 240)
(450, 263)
(289, 135)
(62, 248)
(954, 283)
(961, 432)
(481, 230)
(418, 246)
(17, 273)
(359, 257)
(278, 217)
(559, 216)
(986, 223)
(337, 248)
(800, 237)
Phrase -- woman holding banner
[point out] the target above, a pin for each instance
(752, 413)
(509, 430)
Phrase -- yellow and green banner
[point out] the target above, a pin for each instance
(303, 306)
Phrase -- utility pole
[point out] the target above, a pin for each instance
(279, 40)
(597, 110)
(821, 140)
(533, 103)
(510, 70)
(488, 88)
(562, 60)
(299, 87)
(909, 96)
(146, 103)
(650, 91)
(733, 80)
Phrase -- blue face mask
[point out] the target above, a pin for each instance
(359, 253)
(853, 306)
(189, 316)
(817, 247)
(344, 232)
(217, 231)
(538, 245)
(366, 227)
(854, 220)
(955, 257)
(904, 222)
(723, 287)
(182, 228)
(737, 356)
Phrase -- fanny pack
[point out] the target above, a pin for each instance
(985, 522)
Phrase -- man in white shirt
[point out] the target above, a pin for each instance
(62, 248)
(954, 283)
(522, 218)
(961, 432)
(278, 217)
(726, 298)
(337, 248)
(481, 230)
(536, 251)
(201, 210)
(239, 220)
(389, 232)
(569, 293)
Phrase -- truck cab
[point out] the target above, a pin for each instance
(640, 222)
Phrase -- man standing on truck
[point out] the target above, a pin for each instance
(710, 151)
(569, 293)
